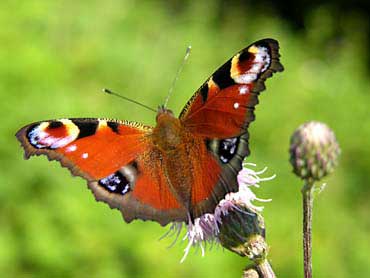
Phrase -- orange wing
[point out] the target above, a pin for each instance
(91, 148)
(116, 158)
(220, 113)
(224, 105)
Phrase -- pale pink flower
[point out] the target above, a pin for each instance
(205, 229)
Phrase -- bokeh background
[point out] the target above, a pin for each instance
(56, 56)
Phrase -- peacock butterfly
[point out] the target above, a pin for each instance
(178, 169)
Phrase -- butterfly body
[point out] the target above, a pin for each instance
(180, 168)
(176, 147)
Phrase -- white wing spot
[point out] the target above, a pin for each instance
(126, 189)
(85, 155)
(236, 105)
(71, 148)
(243, 90)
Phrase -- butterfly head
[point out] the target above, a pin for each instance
(163, 112)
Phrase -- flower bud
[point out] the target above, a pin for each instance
(314, 151)
(242, 231)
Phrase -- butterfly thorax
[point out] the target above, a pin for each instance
(169, 132)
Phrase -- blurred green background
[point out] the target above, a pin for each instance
(56, 56)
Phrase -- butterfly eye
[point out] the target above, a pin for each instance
(121, 181)
(227, 149)
(52, 134)
(115, 183)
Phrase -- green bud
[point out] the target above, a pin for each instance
(314, 151)
(242, 231)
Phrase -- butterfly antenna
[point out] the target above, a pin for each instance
(128, 99)
(187, 53)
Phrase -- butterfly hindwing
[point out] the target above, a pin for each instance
(147, 193)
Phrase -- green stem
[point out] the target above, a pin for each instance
(307, 194)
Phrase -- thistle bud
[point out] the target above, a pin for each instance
(242, 231)
(314, 151)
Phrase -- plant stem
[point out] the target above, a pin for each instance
(307, 194)
(261, 269)
(250, 273)
(265, 269)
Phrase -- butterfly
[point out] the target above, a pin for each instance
(182, 167)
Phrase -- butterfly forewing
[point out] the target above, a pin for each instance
(224, 105)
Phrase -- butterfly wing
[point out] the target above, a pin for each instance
(116, 158)
(223, 107)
